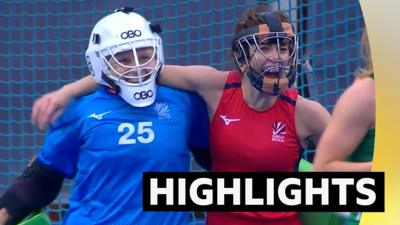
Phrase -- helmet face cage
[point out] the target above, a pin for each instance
(141, 69)
(282, 63)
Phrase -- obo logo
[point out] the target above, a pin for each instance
(143, 95)
(131, 34)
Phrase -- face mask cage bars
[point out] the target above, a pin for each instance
(138, 74)
(242, 48)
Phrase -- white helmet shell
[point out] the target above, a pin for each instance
(122, 32)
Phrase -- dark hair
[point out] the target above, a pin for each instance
(252, 17)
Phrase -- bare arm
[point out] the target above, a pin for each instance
(311, 121)
(353, 116)
(207, 81)
(193, 78)
(48, 108)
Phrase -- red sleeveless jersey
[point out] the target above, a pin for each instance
(242, 139)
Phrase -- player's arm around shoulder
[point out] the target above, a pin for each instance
(72, 116)
(207, 81)
(49, 107)
(311, 120)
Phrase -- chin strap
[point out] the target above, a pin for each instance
(275, 86)
(159, 72)
(110, 82)
(278, 86)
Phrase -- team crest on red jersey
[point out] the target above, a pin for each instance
(278, 131)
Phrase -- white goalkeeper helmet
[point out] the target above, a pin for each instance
(125, 53)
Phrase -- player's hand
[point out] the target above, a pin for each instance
(48, 108)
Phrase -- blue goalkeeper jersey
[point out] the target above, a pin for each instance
(106, 144)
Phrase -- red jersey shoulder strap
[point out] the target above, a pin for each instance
(290, 96)
(233, 80)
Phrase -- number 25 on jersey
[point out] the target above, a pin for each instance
(144, 134)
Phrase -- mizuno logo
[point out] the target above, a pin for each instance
(98, 116)
(227, 121)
